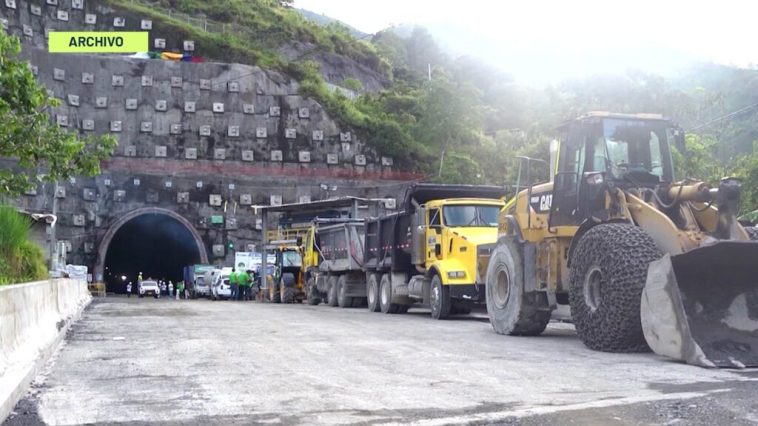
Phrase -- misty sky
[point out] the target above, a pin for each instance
(542, 41)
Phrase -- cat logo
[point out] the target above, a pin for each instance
(545, 202)
(541, 202)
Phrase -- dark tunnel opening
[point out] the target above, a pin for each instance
(157, 245)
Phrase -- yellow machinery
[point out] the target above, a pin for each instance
(643, 260)
(426, 253)
(286, 284)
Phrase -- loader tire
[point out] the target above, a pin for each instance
(608, 272)
(312, 293)
(439, 299)
(511, 310)
(385, 296)
(288, 294)
(372, 292)
(752, 232)
(342, 299)
(332, 294)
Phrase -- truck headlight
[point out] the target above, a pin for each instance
(456, 274)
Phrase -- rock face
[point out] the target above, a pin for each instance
(189, 134)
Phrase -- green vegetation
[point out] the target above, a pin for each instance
(255, 31)
(20, 259)
(458, 120)
(42, 150)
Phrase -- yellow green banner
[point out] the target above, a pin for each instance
(98, 41)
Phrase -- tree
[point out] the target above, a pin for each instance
(39, 147)
(450, 118)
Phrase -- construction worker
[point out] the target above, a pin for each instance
(234, 284)
(129, 289)
(179, 289)
(244, 282)
(170, 288)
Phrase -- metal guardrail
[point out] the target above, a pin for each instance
(287, 234)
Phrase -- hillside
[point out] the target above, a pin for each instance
(266, 34)
(326, 21)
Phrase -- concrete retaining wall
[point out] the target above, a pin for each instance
(34, 318)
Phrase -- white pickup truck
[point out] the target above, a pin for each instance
(147, 287)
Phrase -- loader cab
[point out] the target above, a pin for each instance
(602, 149)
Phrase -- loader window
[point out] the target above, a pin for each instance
(638, 146)
(291, 258)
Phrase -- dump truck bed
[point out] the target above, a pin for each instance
(341, 247)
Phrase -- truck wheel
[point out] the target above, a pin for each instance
(372, 292)
(288, 294)
(439, 299)
(342, 299)
(332, 293)
(385, 296)
(510, 310)
(312, 293)
(608, 273)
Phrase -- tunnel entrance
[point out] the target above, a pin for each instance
(156, 244)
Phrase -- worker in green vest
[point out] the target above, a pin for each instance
(179, 289)
(244, 281)
(234, 284)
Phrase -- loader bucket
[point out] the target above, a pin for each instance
(701, 307)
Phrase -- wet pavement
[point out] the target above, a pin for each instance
(146, 361)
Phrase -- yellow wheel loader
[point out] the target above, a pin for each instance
(286, 284)
(645, 260)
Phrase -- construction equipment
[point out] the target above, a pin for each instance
(644, 260)
(286, 284)
(427, 252)
(336, 277)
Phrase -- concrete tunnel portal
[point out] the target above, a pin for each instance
(156, 242)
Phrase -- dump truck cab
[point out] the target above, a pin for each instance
(448, 233)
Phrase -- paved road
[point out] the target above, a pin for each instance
(144, 361)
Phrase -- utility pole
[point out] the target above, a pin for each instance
(53, 226)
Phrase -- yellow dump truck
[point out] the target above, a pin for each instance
(426, 253)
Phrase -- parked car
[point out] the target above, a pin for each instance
(221, 288)
(149, 287)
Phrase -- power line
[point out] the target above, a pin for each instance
(733, 113)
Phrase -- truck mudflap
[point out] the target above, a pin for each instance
(701, 307)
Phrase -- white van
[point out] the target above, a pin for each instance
(221, 288)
